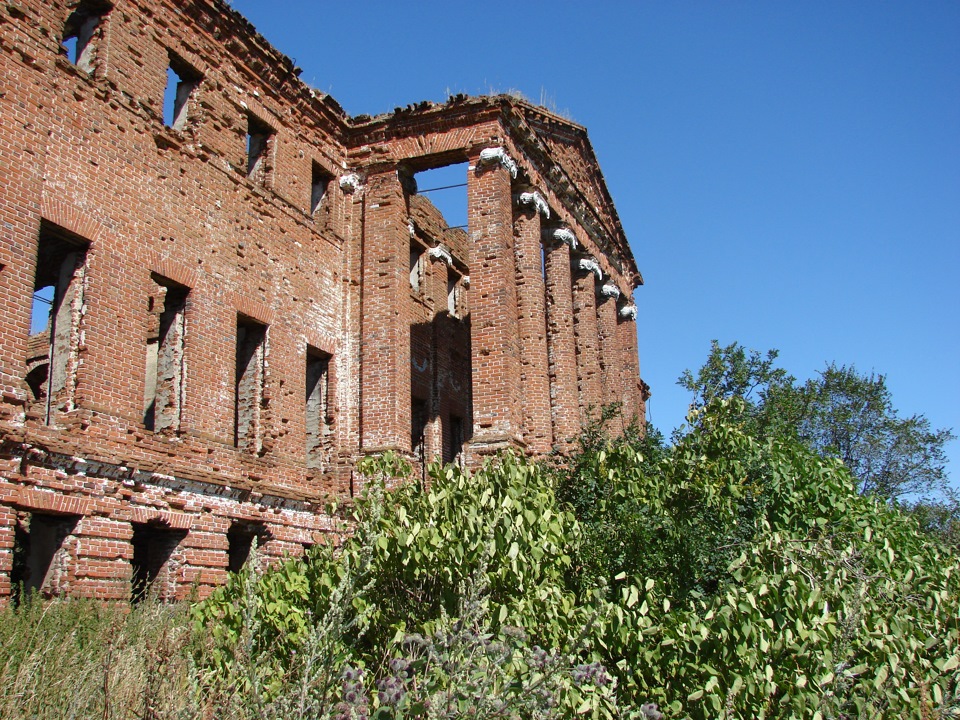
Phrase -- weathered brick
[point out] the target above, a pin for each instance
(229, 334)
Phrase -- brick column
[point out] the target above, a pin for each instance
(8, 520)
(611, 356)
(564, 402)
(630, 390)
(534, 370)
(494, 334)
(385, 333)
(587, 335)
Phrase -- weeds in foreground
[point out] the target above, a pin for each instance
(86, 659)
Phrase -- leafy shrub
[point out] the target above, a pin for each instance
(765, 586)
(446, 600)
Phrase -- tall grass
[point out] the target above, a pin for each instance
(80, 659)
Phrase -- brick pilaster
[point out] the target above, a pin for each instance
(630, 386)
(565, 406)
(610, 360)
(385, 334)
(494, 333)
(534, 374)
(586, 334)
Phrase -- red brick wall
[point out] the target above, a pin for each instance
(88, 160)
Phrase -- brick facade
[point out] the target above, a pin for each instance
(219, 291)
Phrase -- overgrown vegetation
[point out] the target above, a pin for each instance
(729, 574)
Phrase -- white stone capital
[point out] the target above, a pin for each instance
(565, 236)
(610, 290)
(497, 155)
(350, 183)
(441, 253)
(629, 312)
(590, 265)
(536, 200)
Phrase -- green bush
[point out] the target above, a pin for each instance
(724, 576)
(760, 584)
(446, 600)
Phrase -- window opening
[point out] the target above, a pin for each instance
(55, 318)
(153, 547)
(319, 187)
(40, 562)
(182, 81)
(318, 418)
(163, 387)
(259, 144)
(240, 539)
(446, 188)
(249, 385)
(81, 33)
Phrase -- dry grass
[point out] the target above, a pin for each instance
(82, 659)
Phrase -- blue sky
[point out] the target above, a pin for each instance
(788, 174)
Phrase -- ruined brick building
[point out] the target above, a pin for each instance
(213, 307)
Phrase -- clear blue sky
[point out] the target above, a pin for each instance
(788, 174)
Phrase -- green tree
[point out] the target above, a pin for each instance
(840, 413)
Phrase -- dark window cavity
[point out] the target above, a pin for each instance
(318, 415)
(40, 561)
(153, 548)
(319, 189)
(240, 539)
(164, 380)
(259, 147)
(249, 386)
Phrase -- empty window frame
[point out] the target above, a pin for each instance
(240, 539)
(182, 83)
(318, 411)
(153, 549)
(40, 561)
(249, 385)
(260, 140)
(319, 188)
(164, 380)
(83, 32)
(53, 345)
